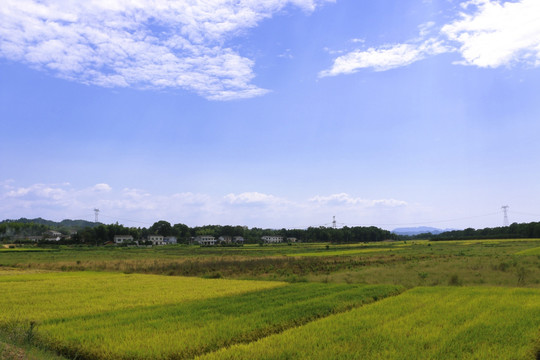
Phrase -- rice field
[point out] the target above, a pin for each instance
(324, 301)
(422, 323)
(37, 297)
(118, 316)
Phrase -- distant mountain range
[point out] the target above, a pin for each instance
(67, 223)
(419, 230)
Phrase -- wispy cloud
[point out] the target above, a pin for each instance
(383, 58)
(143, 44)
(487, 33)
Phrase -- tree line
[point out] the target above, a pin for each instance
(101, 233)
(81, 232)
(524, 230)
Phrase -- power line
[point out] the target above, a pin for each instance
(426, 222)
(527, 214)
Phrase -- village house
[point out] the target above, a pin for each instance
(291, 239)
(169, 240)
(205, 240)
(52, 235)
(272, 239)
(225, 239)
(123, 239)
(156, 239)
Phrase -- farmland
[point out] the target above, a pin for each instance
(98, 315)
(474, 299)
(506, 262)
(423, 323)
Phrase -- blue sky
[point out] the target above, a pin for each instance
(271, 113)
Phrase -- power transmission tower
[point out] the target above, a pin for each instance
(96, 212)
(505, 211)
(334, 224)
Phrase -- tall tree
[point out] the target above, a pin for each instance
(162, 228)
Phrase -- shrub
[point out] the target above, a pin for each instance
(455, 280)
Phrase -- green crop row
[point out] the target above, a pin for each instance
(423, 323)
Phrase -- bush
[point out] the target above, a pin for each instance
(503, 266)
(455, 280)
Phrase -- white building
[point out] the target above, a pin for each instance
(156, 239)
(272, 239)
(205, 240)
(52, 235)
(122, 239)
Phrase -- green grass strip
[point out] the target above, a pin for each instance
(343, 252)
(533, 251)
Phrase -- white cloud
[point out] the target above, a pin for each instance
(253, 198)
(488, 33)
(498, 33)
(101, 188)
(389, 56)
(134, 207)
(37, 191)
(346, 199)
(384, 58)
(426, 29)
(143, 44)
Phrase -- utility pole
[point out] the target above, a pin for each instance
(505, 211)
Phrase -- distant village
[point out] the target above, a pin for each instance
(43, 232)
(158, 240)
